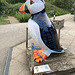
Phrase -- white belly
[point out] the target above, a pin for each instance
(34, 31)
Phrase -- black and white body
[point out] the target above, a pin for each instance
(42, 29)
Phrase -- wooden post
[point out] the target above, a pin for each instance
(74, 17)
(32, 59)
(59, 34)
(26, 37)
(26, 51)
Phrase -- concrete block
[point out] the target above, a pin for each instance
(16, 67)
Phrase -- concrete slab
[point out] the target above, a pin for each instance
(10, 35)
(16, 68)
(16, 52)
(21, 58)
(18, 65)
(25, 73)
(3, 57)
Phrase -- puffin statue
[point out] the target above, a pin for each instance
(41, 29)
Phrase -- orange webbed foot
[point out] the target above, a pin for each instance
(39, 56)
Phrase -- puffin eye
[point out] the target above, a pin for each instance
(31, 2)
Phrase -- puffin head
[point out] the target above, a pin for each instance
(32, 6)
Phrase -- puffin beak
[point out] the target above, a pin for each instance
(24, 9)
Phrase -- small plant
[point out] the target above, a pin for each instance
(73, 9)
(22, 17)
(3, 21)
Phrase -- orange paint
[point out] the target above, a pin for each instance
(37, 58)
(22, 9)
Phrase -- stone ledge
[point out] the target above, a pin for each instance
(60, 63)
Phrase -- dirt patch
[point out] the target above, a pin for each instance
(12, 20)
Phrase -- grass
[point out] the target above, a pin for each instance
(51, 8)
(24, 18)
(3, 21)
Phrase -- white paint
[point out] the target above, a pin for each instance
(36, 7)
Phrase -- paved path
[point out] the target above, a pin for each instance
(10, 35)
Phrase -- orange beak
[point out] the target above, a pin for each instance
(22, 9)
